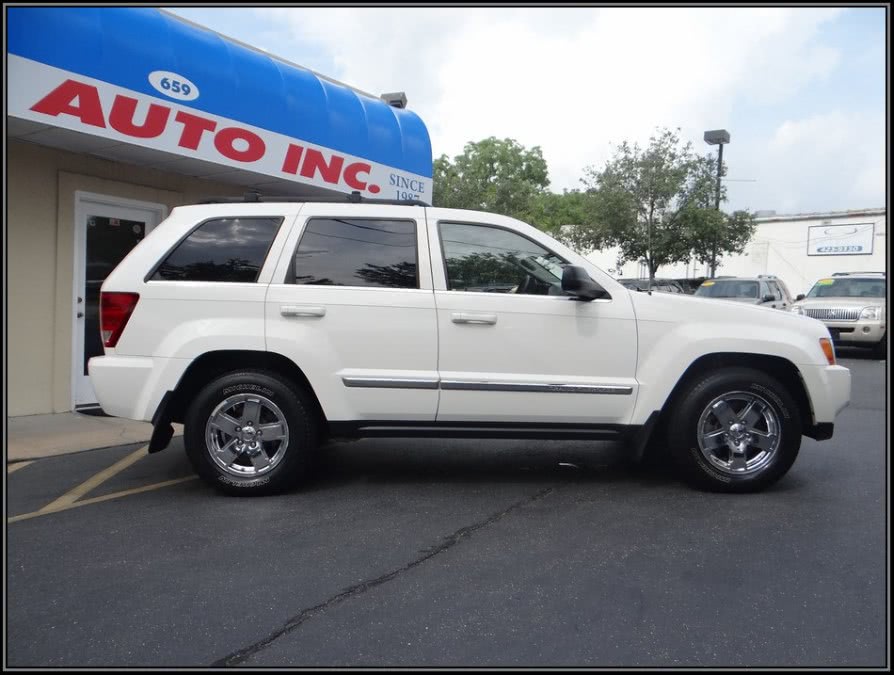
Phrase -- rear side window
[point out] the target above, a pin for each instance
(357, 252)
(223, 249)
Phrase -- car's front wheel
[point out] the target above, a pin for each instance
(250, 433)
(737, 430)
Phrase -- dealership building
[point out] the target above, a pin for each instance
(117, 115)
(799, 248)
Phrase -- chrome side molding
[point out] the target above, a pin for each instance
(466, 385)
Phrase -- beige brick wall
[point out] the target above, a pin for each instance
(41, 185)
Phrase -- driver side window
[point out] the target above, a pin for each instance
(487, 259)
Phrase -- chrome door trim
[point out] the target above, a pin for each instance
(537, 387)
(466, 385)
(390, 382)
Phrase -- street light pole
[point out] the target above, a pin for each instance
(717, 137)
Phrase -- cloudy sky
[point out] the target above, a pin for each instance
(801, 90)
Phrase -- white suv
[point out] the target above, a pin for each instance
(268, 327)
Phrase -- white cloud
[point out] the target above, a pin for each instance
(837, 158)
(574, 80)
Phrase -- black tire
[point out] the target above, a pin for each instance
(296, 406)
(683, 430)
(880, 351)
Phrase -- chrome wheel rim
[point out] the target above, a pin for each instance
(247, 435)
(739, 433)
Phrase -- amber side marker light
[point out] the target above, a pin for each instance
(828, 350)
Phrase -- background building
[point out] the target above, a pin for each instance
(799, 248)
(117, 115)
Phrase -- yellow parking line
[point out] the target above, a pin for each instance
(75, 494)
(46, 511)
(12, 468)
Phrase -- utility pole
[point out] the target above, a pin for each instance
(717, 137)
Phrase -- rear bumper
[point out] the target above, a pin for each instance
(133, 386)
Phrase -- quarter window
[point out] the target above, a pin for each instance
(223, 249)
(487, 259)
(357, 252)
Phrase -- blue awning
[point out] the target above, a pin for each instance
(165, 59)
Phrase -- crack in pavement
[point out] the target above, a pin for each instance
(241, 655)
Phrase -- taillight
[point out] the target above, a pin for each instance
(114, 311)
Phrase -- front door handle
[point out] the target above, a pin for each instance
(483, 319)
(301, 310)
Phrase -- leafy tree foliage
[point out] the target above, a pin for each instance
(656, 204)
(500, 176)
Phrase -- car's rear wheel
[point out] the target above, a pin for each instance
(738, 430)
(251, 433)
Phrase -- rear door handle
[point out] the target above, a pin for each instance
(301, 310)
(483, 319)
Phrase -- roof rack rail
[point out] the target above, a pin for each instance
(354, 198)
(766, 276)
(847, 274)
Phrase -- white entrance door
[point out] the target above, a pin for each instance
(106, 229)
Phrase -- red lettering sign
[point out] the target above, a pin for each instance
(293, 159)
(237, 144)
(314, 161)
(61, 101)
(352, 179)
(121, 118)
(193, 128)
(224, 139)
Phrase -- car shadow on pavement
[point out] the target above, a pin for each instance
(463, 461)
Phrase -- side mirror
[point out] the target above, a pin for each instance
(801, 296)
(769, 297)
(576, 282)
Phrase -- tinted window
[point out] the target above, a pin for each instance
(728, 288)
(492, 260)
(357, 252)
(223, 249)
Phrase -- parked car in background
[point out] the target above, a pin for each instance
(764, 290)
(852, 305)
(660, 285)
(690, 286)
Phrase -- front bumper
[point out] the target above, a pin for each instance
(856, 332)
(829, 388)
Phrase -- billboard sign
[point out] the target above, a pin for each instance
(856, 239)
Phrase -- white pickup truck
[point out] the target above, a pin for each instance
(267, 327)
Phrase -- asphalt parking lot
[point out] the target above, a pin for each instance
(455, 553)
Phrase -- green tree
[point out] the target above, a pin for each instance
(500, 176)
(551, 211)
(644, 199)
(713, 234)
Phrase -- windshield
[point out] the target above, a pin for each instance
(848, 288)
(728, 288)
